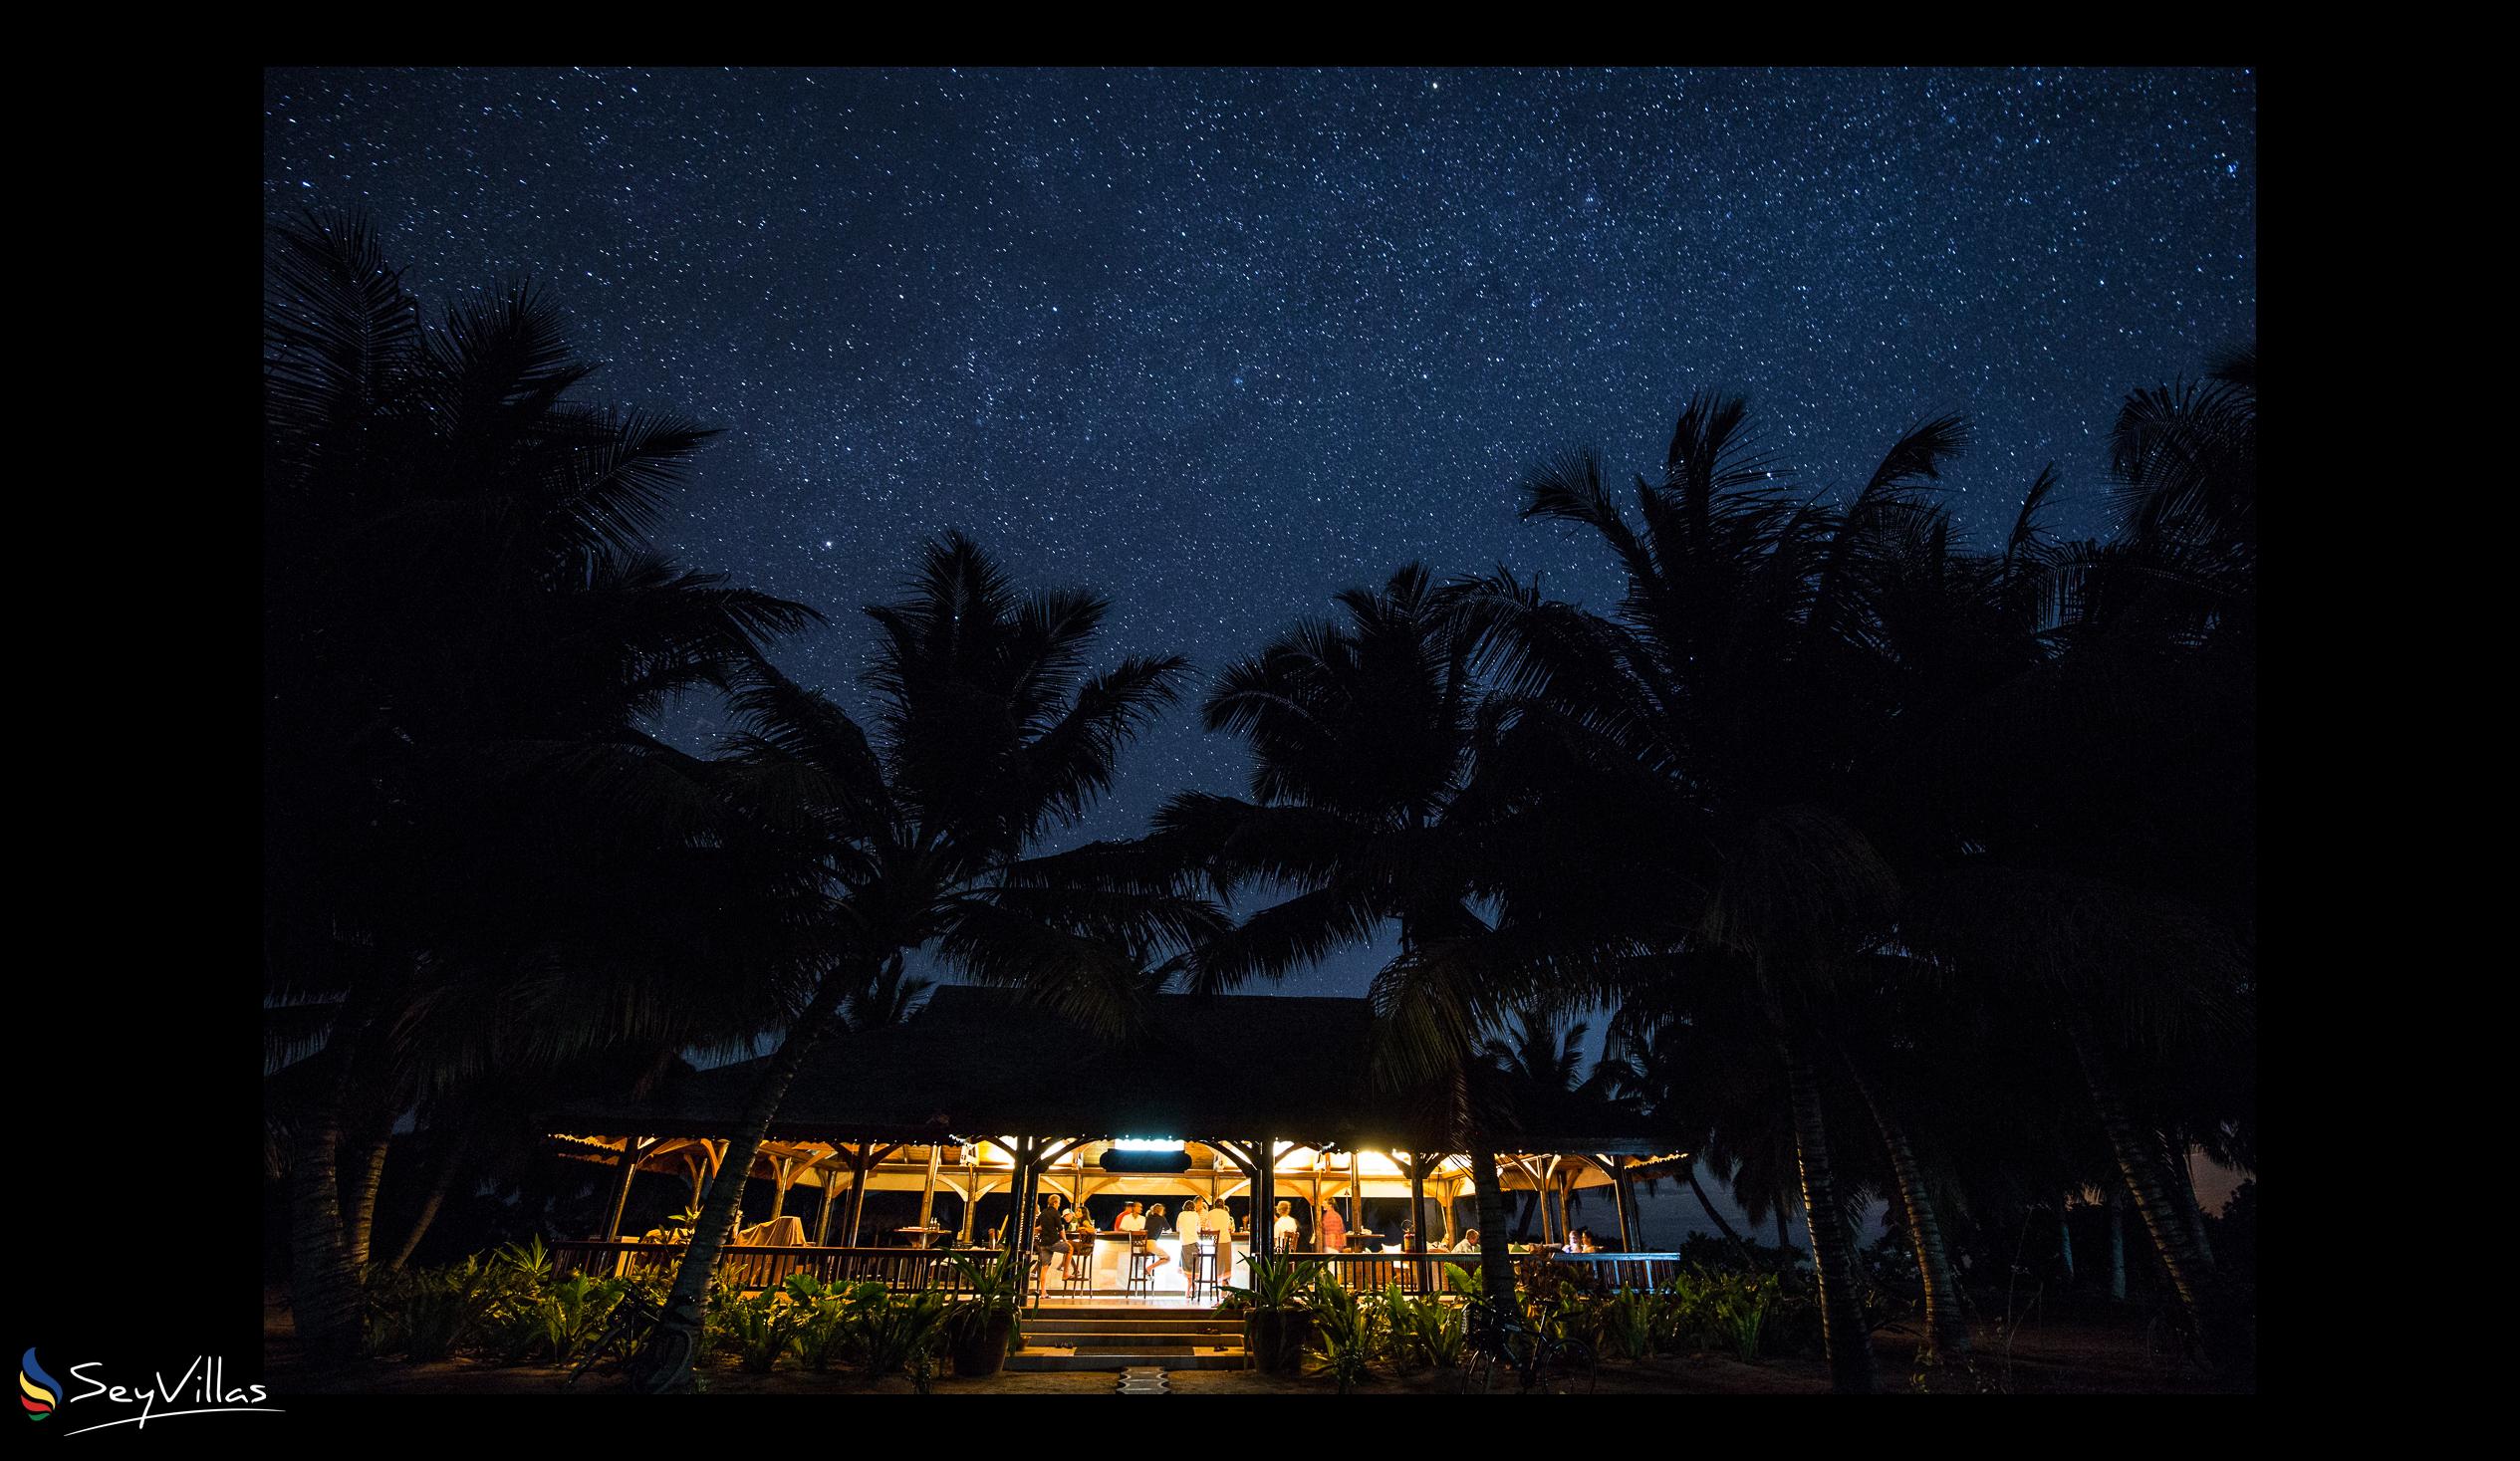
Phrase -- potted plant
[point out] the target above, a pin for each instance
(1276, 1322)
(984, 1326)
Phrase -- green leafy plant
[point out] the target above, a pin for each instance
(986, 1324)
(1275, 1310)
(892, 1331)
(822, 1330)
(1738, 1307)
(1340, 1343)
(762, 1329)
(1628, 1325)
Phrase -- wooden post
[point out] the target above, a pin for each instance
(1623, 1191)
(699, 1159)
(1318, 1158)
(1264, 1202)
(620, 1189)
(779, 1179)
(862, 1165)
(928, 1197)
(1022, 1217)
(823, 1221)
(1417, 1220)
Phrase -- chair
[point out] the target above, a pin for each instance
(1141, 1264)
(1203, 1265)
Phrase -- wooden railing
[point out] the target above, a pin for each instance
(768, 1268)
(1605, 1271)
(932, 1267)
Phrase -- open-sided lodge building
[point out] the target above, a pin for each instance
(1244, 1100)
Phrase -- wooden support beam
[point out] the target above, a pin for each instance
(1263, 1206)
(823, 1221)
(631, 1153)
(1417, 1220)
(927, 1195)
(781, 1170)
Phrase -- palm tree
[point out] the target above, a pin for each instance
(989, 737)
(1736, 677)
(1543, 1058)
(890, 998)
(458, 593)
(1361, 733)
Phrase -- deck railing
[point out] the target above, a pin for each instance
(1605, 1271)
(768, 1268)
(932, 1267)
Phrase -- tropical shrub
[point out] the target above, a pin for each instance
(1628, 1325)
(893, 1332)
(1340, 1344)
(1276, 1310)
(1427, 1331)
(985, 1326)
(822, 1330)
(763, 1326)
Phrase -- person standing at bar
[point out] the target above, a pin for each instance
(1050, 1242)
(1333, 1229)
(1187, 1227)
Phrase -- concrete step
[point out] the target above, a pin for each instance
(1132, 1342)
(1059, 1360)
(1047, 1325)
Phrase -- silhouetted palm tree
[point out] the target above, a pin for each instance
(1737, 678)
(990, 735)
(1361, 736)
(457, 597)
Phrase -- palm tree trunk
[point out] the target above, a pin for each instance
(666, 1358)
(1497, 1258)
(323, 1282)
(365, 1178)
(449, 1162)
(1739, 1248)
(1946, 1327)
(2182, 1169)
(444, 1181)
(1842, 1329)
(2065, 1237)
(2139, 1164)
(2117, 1246)
(322, 1287)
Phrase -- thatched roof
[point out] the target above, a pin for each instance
(979, 1062)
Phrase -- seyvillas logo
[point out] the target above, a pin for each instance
(202, 1389)
(37, 1392)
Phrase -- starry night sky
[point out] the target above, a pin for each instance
(1220, 343)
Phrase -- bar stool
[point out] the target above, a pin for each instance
(1077, 1268)
(1141, 1264)
(1203, 1266)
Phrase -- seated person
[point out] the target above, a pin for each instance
(1286, 1234)
(1469, 1242)
(1132, 1221)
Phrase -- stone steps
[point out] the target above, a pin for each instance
(1109, 1339)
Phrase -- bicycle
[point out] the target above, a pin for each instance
(634, 1317)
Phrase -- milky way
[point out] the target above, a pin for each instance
(1220, 343)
